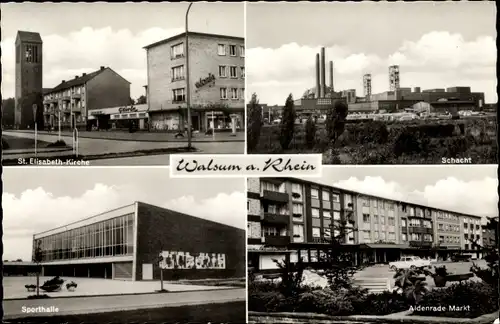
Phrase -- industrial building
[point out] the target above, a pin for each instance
(216, 76)
(81, 102)
(292, 218)
(132, 242)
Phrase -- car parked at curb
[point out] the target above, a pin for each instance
(409, 262)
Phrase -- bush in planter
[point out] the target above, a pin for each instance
(326, 301)
(478, 298)
(440, 276)
(270, 301)
(381, 304)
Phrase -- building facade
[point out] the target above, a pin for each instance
(133, 242)
(79, 102)
(122, 117)
(293, 218)
(29, 72)
(216, 76)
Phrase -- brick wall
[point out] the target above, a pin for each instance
(164, 230)
(107, 89)
(253, 185)
(254, 207)
(254, 230)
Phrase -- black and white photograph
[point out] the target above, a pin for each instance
(122, 245)
(373, 82)
(115, 84)
(416, 244)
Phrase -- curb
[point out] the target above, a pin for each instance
(6, 153)
(130, 294)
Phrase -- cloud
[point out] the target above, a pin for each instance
(84, 51)
(36, 210)
(438, 59)
(478, 197)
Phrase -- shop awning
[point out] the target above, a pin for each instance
(384, 246)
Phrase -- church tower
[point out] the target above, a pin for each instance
(28, 80)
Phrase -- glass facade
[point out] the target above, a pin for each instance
(112, 237)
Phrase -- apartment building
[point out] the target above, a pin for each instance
(81, 101)
(216, 77)
(488, 233)
(291, 218)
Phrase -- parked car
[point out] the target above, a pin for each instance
(410, 262)
(461, 257)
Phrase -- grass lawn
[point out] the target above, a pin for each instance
(17, 143)
(234, 312)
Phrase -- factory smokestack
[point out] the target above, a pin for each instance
(332, 89)
(318, 86)
(323, 76)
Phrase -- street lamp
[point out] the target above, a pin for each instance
(188, 86)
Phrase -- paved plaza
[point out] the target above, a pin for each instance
(13, 287)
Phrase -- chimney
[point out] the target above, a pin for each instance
(331, 77)
(318, 85)
(63, 81)
(323, 78)
(416, 90)
(76, 76)
(84, 74)
(102, 68)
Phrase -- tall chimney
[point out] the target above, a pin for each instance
(331, 77)
(323, 76)
(318, 84)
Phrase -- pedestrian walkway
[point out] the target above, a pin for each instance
(142, 136)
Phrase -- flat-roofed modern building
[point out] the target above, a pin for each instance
(131, 242)
(294, 218)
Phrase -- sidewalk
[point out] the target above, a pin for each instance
(141, 136)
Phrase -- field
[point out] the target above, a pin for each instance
(395, 142)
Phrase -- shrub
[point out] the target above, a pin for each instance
(310, 132)
(287, 123)
(5, 144)
(38, 296)
(367, 132)
(381, 304)
(478, 298)
(336, 119)
(254, 123)
(58, 143)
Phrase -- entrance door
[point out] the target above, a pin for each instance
(147, 271)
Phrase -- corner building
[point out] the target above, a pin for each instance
(216, 76)
(129, 243)
(293, 218)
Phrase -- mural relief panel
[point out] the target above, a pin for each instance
(187, 260)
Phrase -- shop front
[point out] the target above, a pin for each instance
(119, 118)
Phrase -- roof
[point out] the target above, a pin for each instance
(46, 90)
(18, 263)
(167, 40)
(26, 36)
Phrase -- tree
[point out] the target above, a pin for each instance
(37, 259)
(292, 275)
(310, 132)
(8, 112)
(490, 275)
(141, 100)
(254, 122)
(336, 119)
(287, 123)
(132, 101)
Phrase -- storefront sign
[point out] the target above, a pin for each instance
(122, 110)
(205, 81)
(96, 112)
(186, 260)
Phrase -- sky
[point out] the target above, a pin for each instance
(436, 45)
(471, 189)
(50, 197)
(80, 37)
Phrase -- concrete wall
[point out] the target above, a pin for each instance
(164, 230)
(107, 89)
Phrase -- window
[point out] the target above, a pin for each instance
(366, 235)
(391, 236)
(242, 95)
(316, 232)
(366, 218)
(242, 51)
(242, 72)
(325, 195)
(392, 221)
(232, 50)
(327, 232)
(315, 212)
(414, 223)
(366, 203)
(223, 93)
(222, 71)
(248, 204)
(412, 211)
(375, 219)
(29, 53)
(375, 235)
(382, 220)
(382, 236)
(179, 95)
(374, 203)
(403, 237)
(314, 193)
(269, 231)
(336, 215)
(348, 201)
(336, 198)
(297, 209)
(233, 72)
(178, 73)
(221, 49)
(234, 93)
(296, 188)
(177, 51)
(327, 214)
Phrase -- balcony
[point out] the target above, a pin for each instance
(321, 240)
(76, 95)
(420, 244)
(272, 218)
(66, 97)
(420, 230)
(275, 196)
(277, 240)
